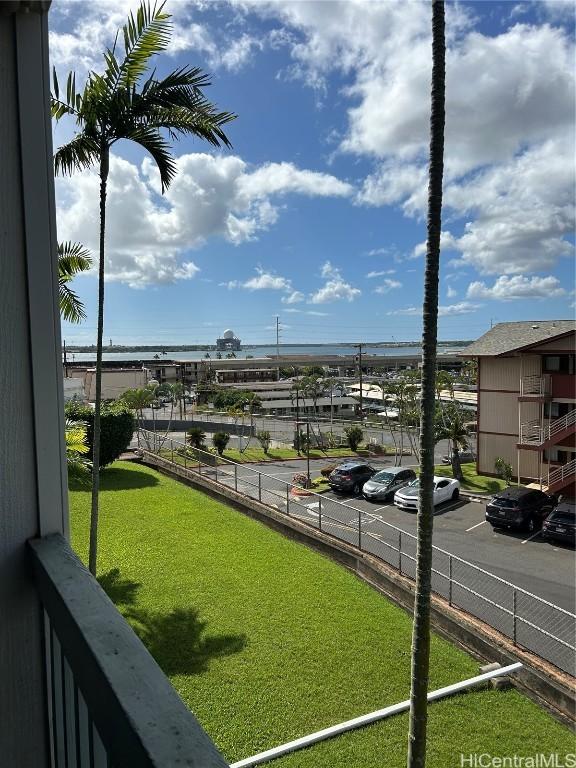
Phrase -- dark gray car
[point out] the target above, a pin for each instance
(384, 484)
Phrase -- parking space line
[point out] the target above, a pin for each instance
(475, 526)
(530, 537)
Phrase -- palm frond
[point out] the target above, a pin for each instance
(145, 35)
(150, 139)
(204, 123)
(76, 447)
(72, 259)
(72, 104)
(81, 152)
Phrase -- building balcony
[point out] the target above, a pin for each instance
(540, 435)
(561, 478)
(108, 702)
(535, 387)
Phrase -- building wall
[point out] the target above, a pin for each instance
(114, 383)
(564, 344)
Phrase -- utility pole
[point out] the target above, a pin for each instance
(360, 377)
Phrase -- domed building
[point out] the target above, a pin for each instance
(229, 342)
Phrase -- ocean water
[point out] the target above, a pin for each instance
(261, 351)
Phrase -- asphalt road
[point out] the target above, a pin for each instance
(541, 568)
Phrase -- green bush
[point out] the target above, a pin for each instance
(116, 428)
(354, 437)
(196, 437)
(220, 440)
(263, 438)
(503, 469)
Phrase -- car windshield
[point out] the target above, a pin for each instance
(414, 483)
(564, 517)
(383, 477)
(505, 503)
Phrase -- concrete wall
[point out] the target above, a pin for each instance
(114, 383)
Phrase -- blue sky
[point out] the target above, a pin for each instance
(317, 214)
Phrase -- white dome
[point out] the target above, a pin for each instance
(228, 334)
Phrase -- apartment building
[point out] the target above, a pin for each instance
(527, 401)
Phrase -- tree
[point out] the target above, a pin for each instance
(118, 104)
(421, 628)
(220, 440)
(137, 400)
(263, 438)
(354, 436)
(72, 259)
(196, 437)
(451, 426)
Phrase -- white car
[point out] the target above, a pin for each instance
(445, 489)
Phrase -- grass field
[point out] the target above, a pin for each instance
(267, 641)
(472, 481)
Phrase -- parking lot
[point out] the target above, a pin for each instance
(544, 569)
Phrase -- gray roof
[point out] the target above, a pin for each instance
(505, 338)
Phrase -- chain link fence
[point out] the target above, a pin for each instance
(529, 621)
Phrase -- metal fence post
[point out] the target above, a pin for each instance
(259, 487)
(216, 470)
(172, 451)
(359, 529)
(400, 552)
(449, 579)
(236, 477)
(287, 499)
(514, 607)
(185, 456)
(320, 512)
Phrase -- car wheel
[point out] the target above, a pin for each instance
(456, 494)
(356, 489)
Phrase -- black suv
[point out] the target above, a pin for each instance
(560, 525)
(519, 508)
(350, 476)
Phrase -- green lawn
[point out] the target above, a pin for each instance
(267, 641)
(472, 481)
(257, 455)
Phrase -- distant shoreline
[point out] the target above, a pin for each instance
(212, 347)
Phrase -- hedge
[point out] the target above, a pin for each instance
(116, 428)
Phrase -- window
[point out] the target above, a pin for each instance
(443, 483)
(559, 364)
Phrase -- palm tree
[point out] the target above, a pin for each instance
(76, 448)
(137, 400)
(452, 427)
(421, 628)
(72, 259)
(119, 104)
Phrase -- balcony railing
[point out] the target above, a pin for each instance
(109, 704)
(562, 473)
(535, 386)
(536, 433)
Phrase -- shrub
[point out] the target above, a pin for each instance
(326, 471)
(354, 437)
(376, 449)
(301, 480)
(196, 437)
(263, 438)
(503, 469)
(116, 428)
(220, 440)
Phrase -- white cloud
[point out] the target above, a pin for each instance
(463, 308)
(308, 312)
(293, 298)
(517, 287)
(387, 286)
(211, 196)
(335, 287)
(266, 281)
(450, 292)
(282, 178)
(380, 273)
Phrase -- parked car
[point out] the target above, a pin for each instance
(519, 508)
(560, 525)
(350, 476)
(384, 484)
(445, 488)
(465, 457)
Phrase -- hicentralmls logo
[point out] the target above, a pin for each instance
(485, 760)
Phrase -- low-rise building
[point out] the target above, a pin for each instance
(527, 401)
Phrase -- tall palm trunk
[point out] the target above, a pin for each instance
(93, 553)
(421, 627)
